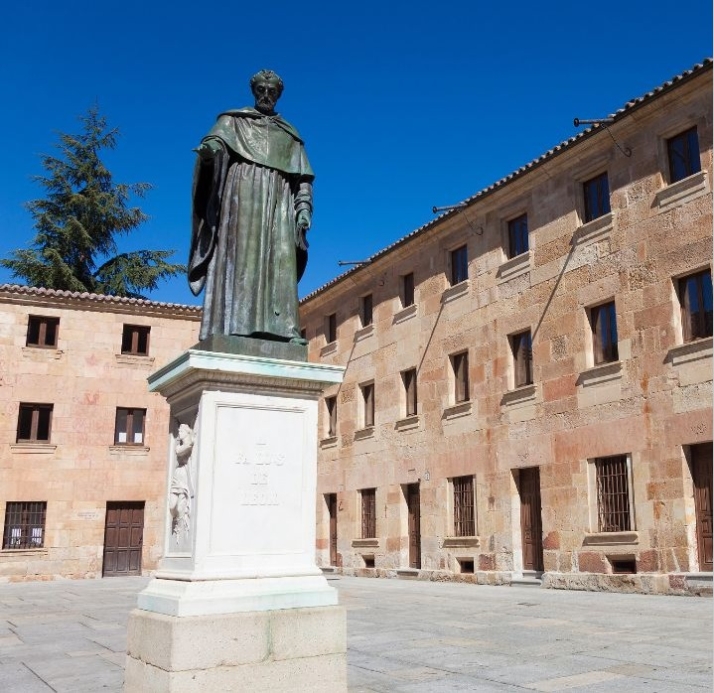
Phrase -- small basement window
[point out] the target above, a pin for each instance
(368, 561)
(466, 565)
(623, 565)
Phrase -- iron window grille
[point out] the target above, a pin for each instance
(603, 320)
(596, 193)
(409, 378)
(135, 340)
(368, 400)
(366, 310)
(695, 296)
(460, 366)
(369, 516)
(459, 265)
(42, 331)
(522, 359)
(129, 426)
(34, 423)
(331, 328)
(613, 494)
(683, 155)
(408, 290)
(518, 236)
(464, 521)
(331, 406)
(24, 525)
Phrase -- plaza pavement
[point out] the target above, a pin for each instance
(403, 636)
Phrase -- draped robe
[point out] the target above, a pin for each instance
(244, 249)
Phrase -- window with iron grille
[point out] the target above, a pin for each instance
(34, 423)
(460, 366)
(331, 328)
(522, 359)
(409, 378)
(464, 520)
(331, 407)
(613, 494)
(129, 426)
(42, 331)
(459, 265)
(368, 402)
(683, 155)
(369, 515)
(24, 525)
(603, 321)
(135, 340)
(407, 291)
(518, 236)
(695, 297)
(596, 193)
(366, 310)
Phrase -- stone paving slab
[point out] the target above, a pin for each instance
(404, 636)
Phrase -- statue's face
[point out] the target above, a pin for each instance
(266, 96)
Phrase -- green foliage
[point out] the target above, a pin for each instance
(80, 218)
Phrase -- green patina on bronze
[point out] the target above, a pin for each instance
(252, 205)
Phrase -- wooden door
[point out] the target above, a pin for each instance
(413, 506)
(702, 477)
(531, 532)
(332, 509)
(123, 538)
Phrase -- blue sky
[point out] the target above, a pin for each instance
(402, 106)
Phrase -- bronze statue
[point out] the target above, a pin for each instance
(252, 207)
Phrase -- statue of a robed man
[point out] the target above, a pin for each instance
(252, 207)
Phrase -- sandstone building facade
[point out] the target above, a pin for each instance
(528, 387)
(83, 444)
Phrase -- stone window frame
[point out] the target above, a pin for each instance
(456, 513)
(691, 166)
(458, 264)
(23, 519)
(596, 353)
(135, 340)
(331, 416)
(127, 415)
(512, 234)
(331, 328)
(367, 396)
(407, 290)
(683, 332)
(595, 515)
(459, 378)
(368, 513)
(410, 392)
(42, 331)
(366, 310)
(39, 426)
(522, 365)
(603, 205)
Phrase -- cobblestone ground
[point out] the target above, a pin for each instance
(403, 636)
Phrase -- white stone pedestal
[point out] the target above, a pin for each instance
(238, 603)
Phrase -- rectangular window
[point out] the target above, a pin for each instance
(695, 297)
(129, 426)
(683, 155)
(135, 340)
(331, 407)
(460, 366)
(522, 347)
(369, 515)
(464, 520)
(24, 525)
(407, 290)
(603, 320)
(366, 310)
(368, 402)
(596, 193)
(459, 265)
(518, 236)
(42, 331)
(409, 378)
(34, 423)
(331, 328)
(613, 494)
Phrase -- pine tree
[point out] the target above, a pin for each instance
(80, 218)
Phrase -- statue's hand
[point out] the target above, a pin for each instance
(205, 152)
(303, 224)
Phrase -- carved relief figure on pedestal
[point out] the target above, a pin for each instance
(181, 489)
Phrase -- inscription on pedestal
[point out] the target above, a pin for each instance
(258, 480)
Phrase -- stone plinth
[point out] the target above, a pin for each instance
(238, 602)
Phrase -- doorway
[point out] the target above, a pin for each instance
(331, 499)
(701, 456)
(414, 525)
(531, 529)
(123, 538)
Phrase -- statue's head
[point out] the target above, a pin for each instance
(267, 88)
